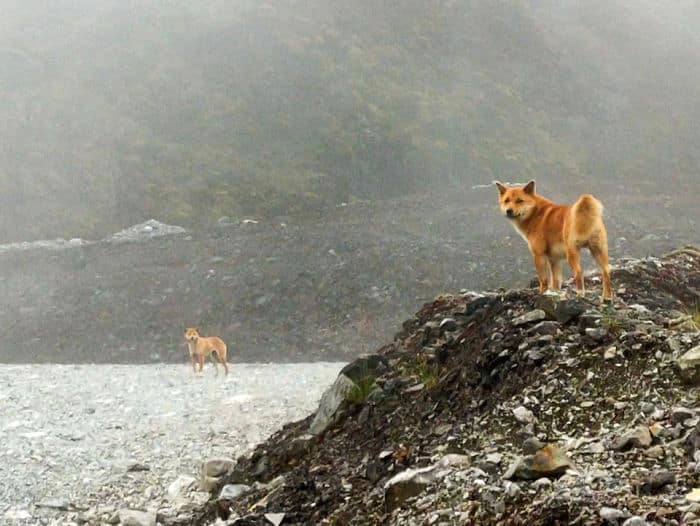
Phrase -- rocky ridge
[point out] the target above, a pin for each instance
(507, 407)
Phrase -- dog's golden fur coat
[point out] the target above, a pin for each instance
(555, 232)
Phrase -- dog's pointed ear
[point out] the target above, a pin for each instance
(529, 188)
(501, 187)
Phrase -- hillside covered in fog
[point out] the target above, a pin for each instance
(114, 111)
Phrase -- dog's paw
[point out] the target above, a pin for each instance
(606, 303)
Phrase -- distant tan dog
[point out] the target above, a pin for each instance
(554, 232)
(200, 347)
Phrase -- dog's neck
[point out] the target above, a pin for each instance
(521, 229)
(522, 226)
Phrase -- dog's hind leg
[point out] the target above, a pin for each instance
(221, 356)
(214, 360)
(223, 362)
(573, 257)
(598, 245)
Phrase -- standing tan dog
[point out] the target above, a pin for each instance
(554, 232)
(200, 347)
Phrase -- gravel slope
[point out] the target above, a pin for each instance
(71, 433)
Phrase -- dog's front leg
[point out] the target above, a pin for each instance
(555, 276)
(541, 268)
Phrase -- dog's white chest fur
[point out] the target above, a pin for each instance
(522, 234)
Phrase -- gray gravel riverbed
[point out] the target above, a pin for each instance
(80, 442)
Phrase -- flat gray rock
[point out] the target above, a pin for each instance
(530, 317)
(330, 402)
(137, 518)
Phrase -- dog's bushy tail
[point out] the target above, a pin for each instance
(588, 206)
(587, 214)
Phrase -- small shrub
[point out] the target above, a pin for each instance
(613, 325)
(362, 390)
(428, 374)
(695, 316)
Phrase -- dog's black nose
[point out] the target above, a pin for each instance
(509, 212)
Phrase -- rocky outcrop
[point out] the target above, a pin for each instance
(559, 409)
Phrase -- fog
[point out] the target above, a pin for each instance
(116, 112)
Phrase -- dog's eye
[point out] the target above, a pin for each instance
(507, 200)
(519, 201)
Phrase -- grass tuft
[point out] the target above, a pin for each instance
(428, 374)
(613, 325)
(362, 389)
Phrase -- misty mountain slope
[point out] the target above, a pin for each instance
(117, 112)
(324, 290)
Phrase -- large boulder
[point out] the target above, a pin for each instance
(558, 308)
(364, 366)
(234, 491)
(639, 437)
(530, 317)
(212, 472)
(180, 485)
(550, 461)
(412, 482)
(688, 365)
(129, 517)
(368, 366)
(330, 403)
(217, 467)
